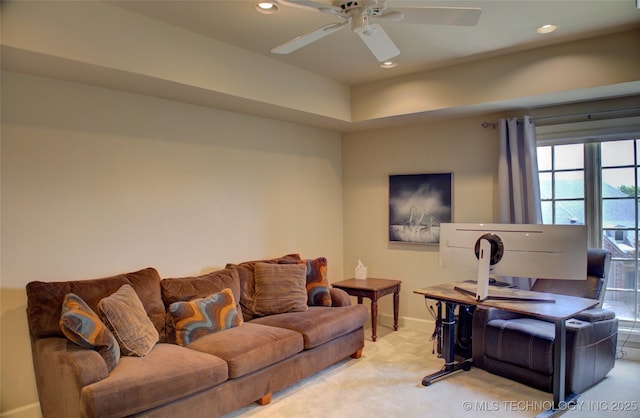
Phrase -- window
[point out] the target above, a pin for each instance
(562, 174)
(596, 183)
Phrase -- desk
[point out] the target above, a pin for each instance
(373, 289)
(564, 308)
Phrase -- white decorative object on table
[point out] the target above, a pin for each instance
(361, 271)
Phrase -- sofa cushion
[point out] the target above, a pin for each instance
(80, 324)
(183, 289)
(202, 316)
(317, 283)
(524, 342)
(125, 316)
(44, 299)
(169, 372)
(247, 286)
(250, 347)
(279, 288)
(319, 324)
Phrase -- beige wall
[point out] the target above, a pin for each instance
(459, 146)
(97, 182)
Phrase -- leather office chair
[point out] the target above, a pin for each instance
(521, 348)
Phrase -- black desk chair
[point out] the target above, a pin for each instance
(521, 348)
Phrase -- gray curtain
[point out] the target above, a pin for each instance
(518, 182)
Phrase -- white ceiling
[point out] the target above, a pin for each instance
(505, 26)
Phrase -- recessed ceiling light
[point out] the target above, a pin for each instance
(388, 64)
(267, 7)
(548, 28)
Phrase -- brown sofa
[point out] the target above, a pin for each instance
(213, 374)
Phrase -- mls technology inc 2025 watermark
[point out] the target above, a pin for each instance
(512, 406)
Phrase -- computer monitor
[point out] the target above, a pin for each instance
(516, 250)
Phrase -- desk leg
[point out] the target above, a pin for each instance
(559, 362)
(448, 348)
(559, 372)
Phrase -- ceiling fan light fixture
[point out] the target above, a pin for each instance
(358, 14)
(388, 64)
(548, 28)
(267, 7)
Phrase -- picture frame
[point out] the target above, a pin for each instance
(418, 204)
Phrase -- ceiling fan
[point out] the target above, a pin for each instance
(360, 13)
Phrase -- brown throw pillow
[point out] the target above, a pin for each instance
(246, 271)
(280, 288)
(125, 316)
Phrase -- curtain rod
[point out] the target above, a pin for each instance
(632, 111)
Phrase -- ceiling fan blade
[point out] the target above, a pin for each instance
(304, 40)
(378, 42)
(458, 16)
(312, 5)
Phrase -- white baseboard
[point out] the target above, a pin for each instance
(416, 324)
(26, 411)
(629, 352)
(632, 354)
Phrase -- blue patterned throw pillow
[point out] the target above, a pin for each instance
(317, 284)
(80, 324)
(198, 317)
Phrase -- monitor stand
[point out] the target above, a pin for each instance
(484, 273)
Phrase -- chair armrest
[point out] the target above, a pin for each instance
(595, 315)
(339, 297)
(62, 369)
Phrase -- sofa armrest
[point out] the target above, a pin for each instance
(339, 297)
(62, 369)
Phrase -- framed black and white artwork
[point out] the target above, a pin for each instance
(418, 204)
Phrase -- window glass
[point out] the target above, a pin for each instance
(618, 182)
(617, 153)
(546, 191)
(618, 213)
(568, 156)
(547, 212)
(621, 288)
(569, 212)
(544, 158)
(569, 184)
(622, 237)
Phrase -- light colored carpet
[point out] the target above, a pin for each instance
(386, 382)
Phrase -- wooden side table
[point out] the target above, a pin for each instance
(373, 289)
